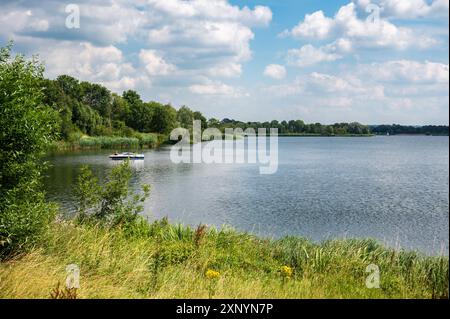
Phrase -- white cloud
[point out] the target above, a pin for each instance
(315, 25)
(400, 78)
(193, 40)
(215, 88)
(275, 71)
(409, 9)
(309, 55)
(213, 9)
(105, 65)
(364, 33)
(406, 71)
(227, 70)
(154, 64)
(21, 20)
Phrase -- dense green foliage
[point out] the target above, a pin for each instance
(93, 110)
(27, 127)
(402, 129)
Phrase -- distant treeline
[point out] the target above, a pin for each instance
(395, 129)
(91, 109)
(296, 127)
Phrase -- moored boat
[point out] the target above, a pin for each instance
(127, 155)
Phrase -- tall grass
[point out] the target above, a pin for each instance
(141, 140)
(109, 142)
(160, 260)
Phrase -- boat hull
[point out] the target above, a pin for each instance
(125, 157)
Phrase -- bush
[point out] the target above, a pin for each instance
(147, 140)
(27, 128)
(111, 204)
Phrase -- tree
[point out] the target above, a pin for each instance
(111, 204)
(55, 97)
(99, 98)
(139, 115)
(185, 116)
(85, 118)
(120, 108)
(27, 126)
(132, 97)
(199, 117)
(70, 86)
(212, 122)
(164, 118)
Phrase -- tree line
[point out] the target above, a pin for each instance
(395, 129)
(91, 109)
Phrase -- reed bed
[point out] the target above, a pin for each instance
(141, 140)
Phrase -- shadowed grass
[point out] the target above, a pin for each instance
(160, 260)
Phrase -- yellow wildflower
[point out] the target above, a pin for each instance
(211, 274)
(287, 271)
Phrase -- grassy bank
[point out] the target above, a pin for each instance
(160, 260)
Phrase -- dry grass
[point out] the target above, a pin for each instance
(164, 261)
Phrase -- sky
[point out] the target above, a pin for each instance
(371, 61)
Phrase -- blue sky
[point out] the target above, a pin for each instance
(321, 61)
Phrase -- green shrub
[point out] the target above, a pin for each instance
(27, 128)
(147, 140)
(112, 203)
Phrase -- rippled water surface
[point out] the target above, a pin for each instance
(394, 189)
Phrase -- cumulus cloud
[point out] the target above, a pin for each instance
(362, 32)
(409, 9)
(309, 55)
(215, 88)
(192, 41)
(91, 63)
(385, 82)
(275, 71)
(218, 10)
(22, 21)
(226, 70)
(371, 93)
(154, 64)
(315, 25)
(406, 71)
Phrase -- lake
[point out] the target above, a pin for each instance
(394, 189)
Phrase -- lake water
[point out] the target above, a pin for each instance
(394, 189)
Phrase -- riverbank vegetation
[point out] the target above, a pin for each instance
(138, 141)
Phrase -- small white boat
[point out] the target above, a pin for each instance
(127, 155)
